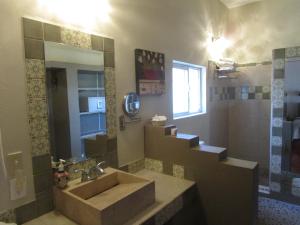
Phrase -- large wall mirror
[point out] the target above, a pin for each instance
(285, 130)
(291, 116)
(71, 93)
(76, 99)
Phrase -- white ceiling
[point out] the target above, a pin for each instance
(236, 3)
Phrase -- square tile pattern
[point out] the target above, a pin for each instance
(244, 92)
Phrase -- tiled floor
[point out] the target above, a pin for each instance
(273, 212)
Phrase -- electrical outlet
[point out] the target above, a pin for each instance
(14, 162)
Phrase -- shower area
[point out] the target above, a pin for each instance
(240, 112)
(255, 113)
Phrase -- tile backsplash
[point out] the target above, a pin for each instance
(244, 92)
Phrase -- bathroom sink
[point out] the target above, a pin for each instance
(111, 199)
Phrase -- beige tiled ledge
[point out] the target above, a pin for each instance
(166, 198)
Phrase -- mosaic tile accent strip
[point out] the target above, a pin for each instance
(292, 52)
(277, 141)
(136, 166)
(35, 68)
(8, 216)
(37, 106)
(40, 146)
(36, 88)
(276, 164)
(277, 122)
(110, 95)
(178, 171)
(274, 186)
(76, 38)
(244, 92)
(296, 191)
(278, 64)
(278, 93)
(38, 127)
(154, 165)
(169, 211)
(274, 212)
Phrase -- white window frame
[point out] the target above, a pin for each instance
(202, 71)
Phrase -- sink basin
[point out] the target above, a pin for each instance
(111, 199)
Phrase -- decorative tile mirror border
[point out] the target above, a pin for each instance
(280, 180)
(35, 33)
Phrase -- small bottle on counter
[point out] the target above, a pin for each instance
(61, 177)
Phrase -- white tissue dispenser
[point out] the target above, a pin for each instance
(159, 120)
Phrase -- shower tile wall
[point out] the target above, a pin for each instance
(240, 114)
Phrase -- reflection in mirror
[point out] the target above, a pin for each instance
(76, 99)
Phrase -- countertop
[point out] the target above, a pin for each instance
(168, 189)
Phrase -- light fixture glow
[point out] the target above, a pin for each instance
(217, 46)
(85, 13)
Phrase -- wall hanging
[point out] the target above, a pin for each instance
(150, 72)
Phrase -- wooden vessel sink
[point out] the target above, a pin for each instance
(111, 199)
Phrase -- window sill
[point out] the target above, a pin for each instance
(188, 115)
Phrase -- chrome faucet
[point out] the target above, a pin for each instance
(92, 173)
(84, 174)
(96, 171)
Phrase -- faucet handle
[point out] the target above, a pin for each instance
(100, 167)
(100, 164)
(84, 174)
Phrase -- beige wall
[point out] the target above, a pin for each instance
(258, 28)
(174, 27)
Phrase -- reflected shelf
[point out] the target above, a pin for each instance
(90, 89)
(89, 113)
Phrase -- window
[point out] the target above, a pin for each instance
(189, 90)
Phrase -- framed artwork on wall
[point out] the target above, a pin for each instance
(150, 72)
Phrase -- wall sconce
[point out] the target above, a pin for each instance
(216, 47)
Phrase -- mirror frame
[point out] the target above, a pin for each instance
(35, 33)
(278, 175)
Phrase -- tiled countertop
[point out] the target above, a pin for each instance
(169, 200)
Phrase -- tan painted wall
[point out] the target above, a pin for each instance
(260, 27)
(174, 27)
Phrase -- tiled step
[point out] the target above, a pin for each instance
(216, 152)
(168, 129)
(192, 139)
(240, 163)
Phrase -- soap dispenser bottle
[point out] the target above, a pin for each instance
(61, 176)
